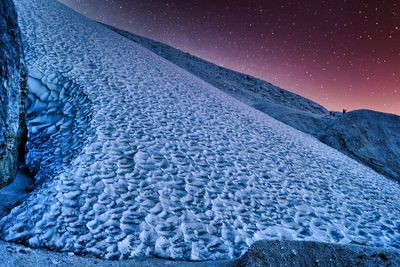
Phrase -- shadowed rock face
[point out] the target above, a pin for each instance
(293, 253)
(12, 91)
(370, 137)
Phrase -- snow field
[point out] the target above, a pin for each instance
(154, 161)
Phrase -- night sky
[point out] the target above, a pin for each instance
(342, 54)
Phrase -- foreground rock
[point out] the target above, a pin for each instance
(19, 256)
(12, 91)
(263, 253)
(292, 253)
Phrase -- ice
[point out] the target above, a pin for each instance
(38, 89)
(148, 160)
(14, 193)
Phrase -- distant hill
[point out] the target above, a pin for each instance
(370, 136)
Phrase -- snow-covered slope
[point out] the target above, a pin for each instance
(296, 111)
(154, 161)
(250, 90)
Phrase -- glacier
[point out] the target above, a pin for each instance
(136, 157)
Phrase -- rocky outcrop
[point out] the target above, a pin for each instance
(294, 253)
(370, 137)
(262, 253)
(12, 91)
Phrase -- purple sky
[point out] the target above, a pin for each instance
(342, 54)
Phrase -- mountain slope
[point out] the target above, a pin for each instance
(12, 91)
(296, 111)
(139, 157)
(250, 90)
(370, 136)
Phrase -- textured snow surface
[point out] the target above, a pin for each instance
(250, 90)
(161, 163)
(369, 137)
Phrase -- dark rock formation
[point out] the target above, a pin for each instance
(262, 253)
(371, 137)
(12, 91)
(295, 253)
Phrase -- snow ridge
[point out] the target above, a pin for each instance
(174, 167)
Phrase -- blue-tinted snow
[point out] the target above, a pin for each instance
(165, 164)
